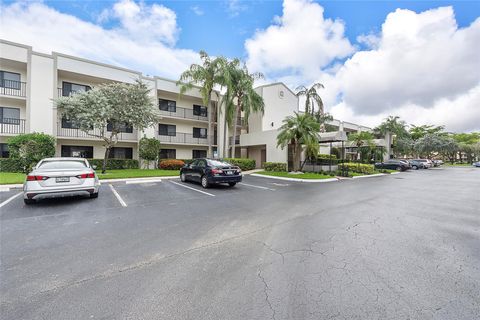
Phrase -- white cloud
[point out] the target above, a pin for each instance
(300, 42)
(197, 10)
(142, 41)
(235, 7)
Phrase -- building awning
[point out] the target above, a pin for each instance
(335, 136)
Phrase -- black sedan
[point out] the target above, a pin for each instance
(393, 165)
(211, 171)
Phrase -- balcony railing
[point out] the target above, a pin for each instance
(77, 133)
(184, 113)
(12, 126)
(183, 138)
(235, 140)
(13, 88)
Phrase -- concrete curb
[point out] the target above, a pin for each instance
(371, 175)
(145, 179)
(294, 179)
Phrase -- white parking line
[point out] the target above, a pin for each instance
(259, 187)
(118, 196)
(182, 185)
(10, 199)
(143, 181)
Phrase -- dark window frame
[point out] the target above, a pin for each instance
(167, 131)
(125, 128)
(12, 84)
(67, 88)
(128, 153)
(197, 133)
(9, 120)
(168, 154)
(4, 152)
(196, 156)
(167, 105)
(66, 151)
(200, 111)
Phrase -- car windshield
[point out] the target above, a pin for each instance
(216, 163)
(64, 164)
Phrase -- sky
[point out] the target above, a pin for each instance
(419, 60)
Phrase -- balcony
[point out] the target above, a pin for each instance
(12, 126)
(183, 138)
(13, 88)
(183, 113)
(235, 140)
(79, 134)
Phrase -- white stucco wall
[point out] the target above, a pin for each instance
(40, 116)
(14, 51)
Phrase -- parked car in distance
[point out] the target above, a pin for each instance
(211, 171)
(60, 177)
(476, 164)
(407, 162)
(426, 162)
(437, 163)
(392, 165)
(415, 164)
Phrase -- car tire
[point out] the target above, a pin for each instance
(399, 169)
(232, 184)
(204, 182)
(94, 195)
(183, 178)
(414, 167)
(29, 201)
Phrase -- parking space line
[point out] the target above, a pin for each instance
(182, 185)
(143, 181)
(10, 199)
(260, 187)
(118, 196)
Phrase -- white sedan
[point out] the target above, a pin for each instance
(60, 177)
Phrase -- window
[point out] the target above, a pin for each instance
(68, 88)
(10, 80)
(63, 164)
(69, 124)
(124, 127)
(167, 130)
(168, 153)
(167, 105)
(77, 151)
(199, 132)
(199, 154)
(199, 110)
(121, 153)
(201, 163)
(4, 153)
(9, 115)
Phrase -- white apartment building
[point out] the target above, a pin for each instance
(30, 81)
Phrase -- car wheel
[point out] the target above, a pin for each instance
(28, 201)
(232, 184)
(414, 167)
(399, 168)
(94, 195)
(183, 178)
(204, 181)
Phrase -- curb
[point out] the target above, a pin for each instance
(294, 179)
(371, 175)
(145, 179)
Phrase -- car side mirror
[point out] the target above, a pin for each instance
(94, 167)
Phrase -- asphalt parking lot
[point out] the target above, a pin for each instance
(404, 246)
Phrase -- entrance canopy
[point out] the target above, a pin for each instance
(336, 136)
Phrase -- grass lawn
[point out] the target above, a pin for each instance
(307, 175)
(448, 164)
(14, 177)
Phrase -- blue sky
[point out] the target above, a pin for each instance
(415, 59)
(222, 31)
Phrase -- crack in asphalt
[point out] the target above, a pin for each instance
(265, 291)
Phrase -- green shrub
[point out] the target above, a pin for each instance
(327, 156)
(358, 167)
(171, 164)
(10, 165)
(275, 166)
(243, 163)
(113, 164)
(29, 148)
(149, 149)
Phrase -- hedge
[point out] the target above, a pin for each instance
(186, 161)
(113, 164)
(244, 164)
(358, 167)
(171, 164)
(275, 166)
(327, 156)
(10, 165)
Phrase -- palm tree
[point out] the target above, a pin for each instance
(311, 98)
(361, 139)
(242, 97)
(298, 130)
(207, 76)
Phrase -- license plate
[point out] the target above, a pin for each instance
(229, 172)
(62, 179)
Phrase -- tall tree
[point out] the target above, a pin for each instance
(312, 98)
(109, 109)
(393, 129)
(363, 140)
(205, 75)
(298, 130)
(242, 97)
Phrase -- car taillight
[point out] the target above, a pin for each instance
(217, 171)
(86, 175)
(36, 178)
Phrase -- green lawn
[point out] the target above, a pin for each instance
(307, 175)
(448, 164)
(14, 177)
